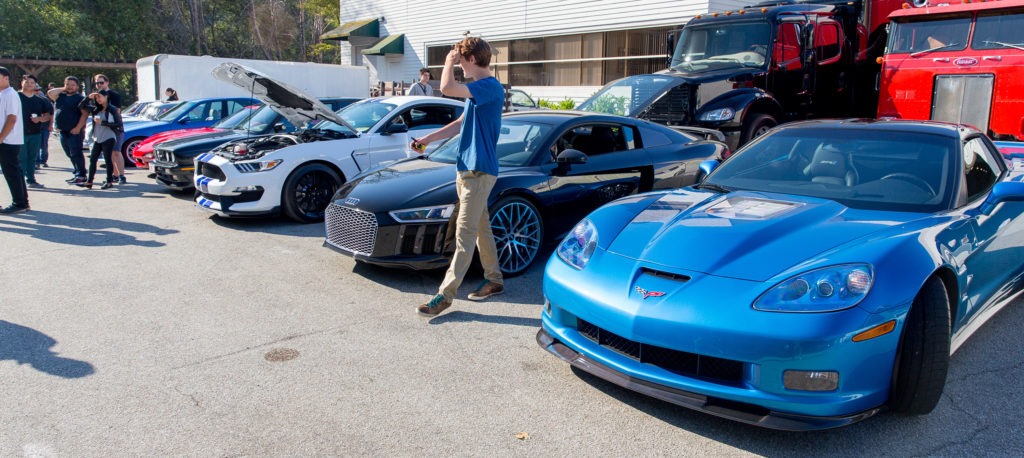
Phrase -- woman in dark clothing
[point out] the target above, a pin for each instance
(172, 95)
(106, 123)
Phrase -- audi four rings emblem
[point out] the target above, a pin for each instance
(646, 294)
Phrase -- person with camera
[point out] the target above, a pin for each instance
(106, 123)
(72, 113)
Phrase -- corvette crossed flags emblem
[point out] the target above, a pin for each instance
(646, 294)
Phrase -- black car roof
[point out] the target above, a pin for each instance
(891, 125)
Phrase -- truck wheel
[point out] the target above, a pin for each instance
(922, 358)
(755, 126)
(307, 191)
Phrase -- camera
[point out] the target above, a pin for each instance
(90, 105)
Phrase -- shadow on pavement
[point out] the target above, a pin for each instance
(80, 230)
(270, 225)
(458, 316)
(25, 345)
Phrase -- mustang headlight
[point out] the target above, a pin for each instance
(257, 166)
(821, 290)
(424, 214)
(579, 245)
(721, 114)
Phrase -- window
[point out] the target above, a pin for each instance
(426, 117)
(981, 170)
(596, 139)
(234, 106)
(930, 33)
(786, 52)
(591, 59)
(826, 42)
(198, 112)
(1000, 30)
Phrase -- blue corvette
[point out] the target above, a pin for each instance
(822, 274)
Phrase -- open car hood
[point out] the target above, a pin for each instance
(296, 106)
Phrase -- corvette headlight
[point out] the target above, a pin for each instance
(821, 290)
(258, 166)
(579, 245)
(424, 214)
(721, 114)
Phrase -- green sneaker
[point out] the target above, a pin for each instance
(436, 305)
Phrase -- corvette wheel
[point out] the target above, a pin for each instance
(922, 359)
(518, 233)
(307, 191)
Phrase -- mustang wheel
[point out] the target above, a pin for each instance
(307, 191)
(923, 356)
(518, 233)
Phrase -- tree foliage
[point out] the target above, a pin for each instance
(130, 29)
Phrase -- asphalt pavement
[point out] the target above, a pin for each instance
(134, 324)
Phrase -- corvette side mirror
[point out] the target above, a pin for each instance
(1007, 191)
(706, 167)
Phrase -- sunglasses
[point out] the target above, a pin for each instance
(99, 82)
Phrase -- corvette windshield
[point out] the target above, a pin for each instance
(364, 115)
(517, 144)
(715, 47)
(884, 170)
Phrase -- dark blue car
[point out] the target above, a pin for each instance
(191, 113)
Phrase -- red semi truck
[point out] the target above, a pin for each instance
(960, 62)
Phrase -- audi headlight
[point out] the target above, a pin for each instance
(257, 166)
(579, 245)
(821, 290)
(424, 214)
(721, 114)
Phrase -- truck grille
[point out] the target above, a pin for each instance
(350, 229)
(163, 155)
(672, 108)
(679, 362)
(209, 170)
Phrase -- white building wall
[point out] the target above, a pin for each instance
(433, 22)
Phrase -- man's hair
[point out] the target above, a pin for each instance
(5, 72)
(29, 76)
(424, 70)
(72, 78)
(476, 47)
(100, 75)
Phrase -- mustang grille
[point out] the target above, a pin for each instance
(164, 155)
(350, 229)
(209, 170)
(679, 362)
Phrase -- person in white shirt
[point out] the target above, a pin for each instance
(12, 136)
(423, 86)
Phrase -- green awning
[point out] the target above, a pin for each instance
(389, 45)
(363, 28)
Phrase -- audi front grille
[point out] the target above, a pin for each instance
(350, 229)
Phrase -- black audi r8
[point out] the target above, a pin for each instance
(555, 167)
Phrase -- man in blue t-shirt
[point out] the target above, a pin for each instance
(477, 167)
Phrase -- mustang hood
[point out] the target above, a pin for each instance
(746, 235)
(296, 106)
(409, 183)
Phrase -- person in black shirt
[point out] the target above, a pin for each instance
(36, 112)
(102, 83)
(172, 95)
(71, 116)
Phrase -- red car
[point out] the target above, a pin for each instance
(143, 154)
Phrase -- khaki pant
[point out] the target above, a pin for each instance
(472, 230)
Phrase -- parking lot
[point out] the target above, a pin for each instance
(132, 323)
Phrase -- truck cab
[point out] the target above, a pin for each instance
(958, 63)
(743, 72)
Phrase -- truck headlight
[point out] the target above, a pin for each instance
(257, 166)
(579, 245)
(821, 290)
(423, 214)
(721, 114)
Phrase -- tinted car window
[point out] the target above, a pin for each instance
(981, 169)
(427, 117)
(518, 143)
(595, 139)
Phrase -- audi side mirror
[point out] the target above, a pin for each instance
(571, 156)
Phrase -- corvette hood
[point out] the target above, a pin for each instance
(296, 106)
(409, 183)
(746, 235)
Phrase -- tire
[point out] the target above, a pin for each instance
(518, 234)
(922, 358)
(307, 191)
(755, 126)
(129, 146)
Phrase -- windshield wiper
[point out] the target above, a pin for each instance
(713, 187)
(915, 54)
(1019, 46)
